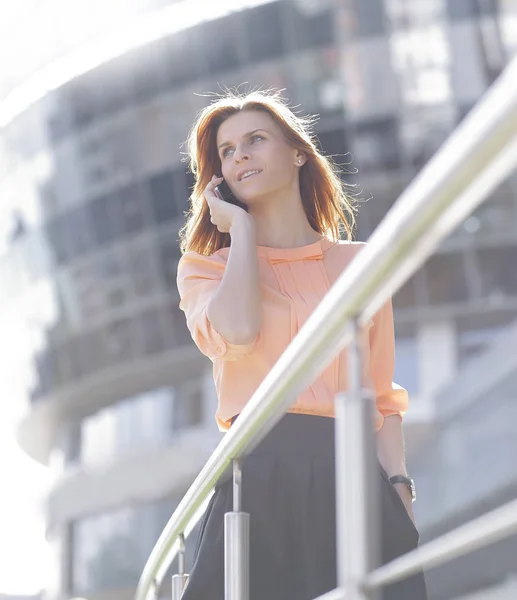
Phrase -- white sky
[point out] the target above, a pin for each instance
(33, 33)
(24, 554)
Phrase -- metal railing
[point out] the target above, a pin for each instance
(479, 154)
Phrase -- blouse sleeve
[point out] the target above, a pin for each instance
(392, 399)
(198, 279)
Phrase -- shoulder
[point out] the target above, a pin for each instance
(193, 263)
(349, 249)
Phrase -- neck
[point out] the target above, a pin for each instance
(282, 223)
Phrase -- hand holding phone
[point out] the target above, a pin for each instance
(225, 209)
(223, 192)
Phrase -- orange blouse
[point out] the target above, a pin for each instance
(292, 281)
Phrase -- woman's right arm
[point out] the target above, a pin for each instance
(235, 307)
(221, 299)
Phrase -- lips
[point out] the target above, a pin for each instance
(243, 175)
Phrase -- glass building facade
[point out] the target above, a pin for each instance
(94, 190)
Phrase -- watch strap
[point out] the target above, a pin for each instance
(407, 481)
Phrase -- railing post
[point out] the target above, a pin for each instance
(237, 544)
(357, 509)
(179, 581)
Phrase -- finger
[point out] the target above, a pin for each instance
(214, 182)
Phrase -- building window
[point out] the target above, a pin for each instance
(59, 235)
(82, 236)
(470, 9)
(161, 187)
(151, 330)
(188, 406)
(142, 267)
(103, 217)
(310, 30)
(264, 32)
(218, 40)
(110, 549)
(376, 145)
(183, 185)
(370, 17)
(406, 364)
(333, 144)
(405, 297)
(168, 257)
(473, 342)
(446, 279)
(498, 271)
(132, 208)
(119, 339)
(138, 422)
(180, 56)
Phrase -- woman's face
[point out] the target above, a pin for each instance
(257, 162)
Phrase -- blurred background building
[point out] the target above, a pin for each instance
(116, 399)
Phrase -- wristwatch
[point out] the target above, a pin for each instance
(407, 481)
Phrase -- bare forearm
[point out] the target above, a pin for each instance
(391, 454)
(235, 309)
(390, 446)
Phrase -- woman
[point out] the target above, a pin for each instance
(248, 280)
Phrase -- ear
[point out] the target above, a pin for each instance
(300, 159)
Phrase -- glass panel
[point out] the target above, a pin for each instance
(470, 9)
(407, 364)
(498, 272)
(218, 41)
(132, 211)
(89, 353)
(405, 297)
(310, 30)
(142, 268)
(369, 17)
(316, 81)
(161, 188)
(59, 236)
(119, 337)
(110, 549)
(168, 256)
(113, 79)
(157, 136)
(180, 56)
(183, 185)
(474, 341)
(82, 234)
(176, 318)
(150, 325)
(103, 218)
(47, 372)
(149, 76)
(446, 279)
(333, 143)
(188, 407)
(264, 32)
(376, 145)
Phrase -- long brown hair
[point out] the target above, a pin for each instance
(329, 209)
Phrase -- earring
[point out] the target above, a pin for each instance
(299, 161)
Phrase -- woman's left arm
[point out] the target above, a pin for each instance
(391, 455)
(391, 399)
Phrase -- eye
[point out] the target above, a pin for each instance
(256, 137)
(226, 151)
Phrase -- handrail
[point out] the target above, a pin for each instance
(473, 161)
(487, 529)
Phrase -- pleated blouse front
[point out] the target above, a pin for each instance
(293, 282)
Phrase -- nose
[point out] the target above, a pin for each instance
(241, 153)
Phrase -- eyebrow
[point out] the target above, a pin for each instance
(250, 133)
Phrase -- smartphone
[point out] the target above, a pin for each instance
(223, 192)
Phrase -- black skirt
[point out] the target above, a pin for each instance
(288, 488)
